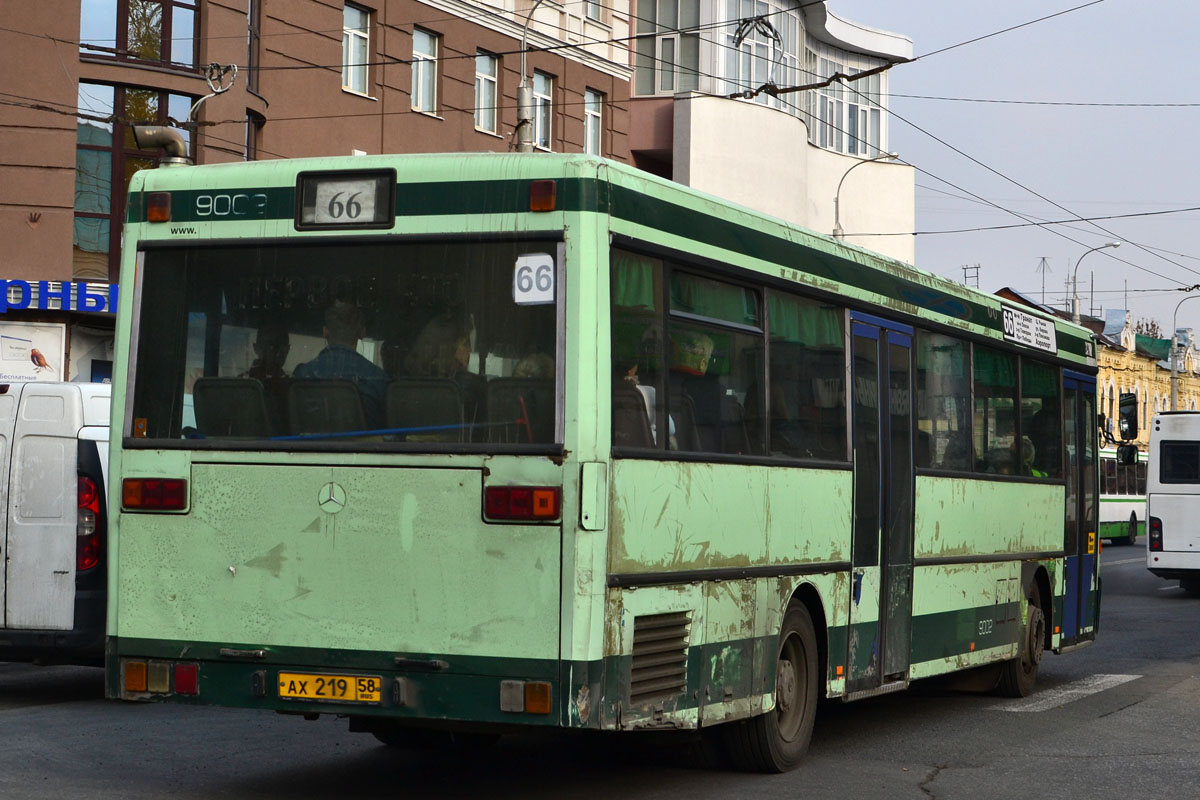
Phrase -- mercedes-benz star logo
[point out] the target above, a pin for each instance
(332, 498)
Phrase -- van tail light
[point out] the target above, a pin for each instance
(87, 528)
(520, 503)
(154, 494)
(1155, 543)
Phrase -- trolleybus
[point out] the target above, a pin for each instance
(453, 444)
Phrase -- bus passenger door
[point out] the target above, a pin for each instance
(1081, 594)
(882, 536)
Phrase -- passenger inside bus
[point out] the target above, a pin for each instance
(435, 396)
(341, 361)
(271, 346)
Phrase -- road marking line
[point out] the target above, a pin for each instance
(1124, 561)
(1061, 695)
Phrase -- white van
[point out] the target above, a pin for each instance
(53, 521)
(1173, 498)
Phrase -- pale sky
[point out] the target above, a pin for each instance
(1094, 161)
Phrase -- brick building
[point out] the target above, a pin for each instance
(314, 78)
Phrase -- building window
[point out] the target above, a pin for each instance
(487, 70)
(844, 116)
(592, 9)
(543, 87)
(158, 31)
(253, 42)
(593, 121)
(760, 57)
(105, 159)
(424, 71)
(356, 41)
(254, 126)
(667, 50)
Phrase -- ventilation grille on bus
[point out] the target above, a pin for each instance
(660, 644)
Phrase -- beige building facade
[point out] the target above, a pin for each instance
(1132, 363)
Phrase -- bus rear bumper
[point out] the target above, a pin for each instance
(510, 692)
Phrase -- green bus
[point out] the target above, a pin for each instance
(454, 444)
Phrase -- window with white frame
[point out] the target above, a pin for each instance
(592, 9)
(424, 71)
(487, 70)
(846, 116)
(667, 49)
(543, 89)
(593, 103)
(356, 40)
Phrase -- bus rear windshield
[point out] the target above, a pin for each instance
(1179, 462)
(425, 344)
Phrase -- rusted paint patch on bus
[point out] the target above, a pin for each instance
(675, 516)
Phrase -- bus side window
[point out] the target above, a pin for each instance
(1110, 475)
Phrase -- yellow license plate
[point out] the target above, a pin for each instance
(334, 688)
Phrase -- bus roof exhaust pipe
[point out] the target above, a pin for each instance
(171, 140)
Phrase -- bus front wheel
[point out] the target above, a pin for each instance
(1019, 675)
(777, 740)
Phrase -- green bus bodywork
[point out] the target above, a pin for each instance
(408, 582)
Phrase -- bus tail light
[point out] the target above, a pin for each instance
(87, 528)
(155, 677)
(154, 494)
(534, 503)
(1155, 527)
(525, 697)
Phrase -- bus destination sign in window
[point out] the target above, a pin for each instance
(336, 200)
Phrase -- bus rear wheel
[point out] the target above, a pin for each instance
(1018, 676)
(1132, 540)
(777, 740)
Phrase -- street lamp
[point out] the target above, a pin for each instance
(1174, 355)
(1075, 281)
(837, 225)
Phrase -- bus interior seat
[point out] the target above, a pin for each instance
(520, 410)
(324, 406)
(631, 420)
(427, 403)
(231, 407)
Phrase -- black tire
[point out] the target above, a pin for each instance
(1019, 675)
(1190, 585)
(1132, 539)
(777, 740)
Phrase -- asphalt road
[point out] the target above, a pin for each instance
(1120, 719)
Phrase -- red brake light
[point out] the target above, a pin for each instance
(89, 496)
(187, 679)
(87, 533)
(539, 503)
(154, 494)
(1155, 528)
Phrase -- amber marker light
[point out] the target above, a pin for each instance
(135, 676)
(537, 697)
(158, 207)
(541, 195)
